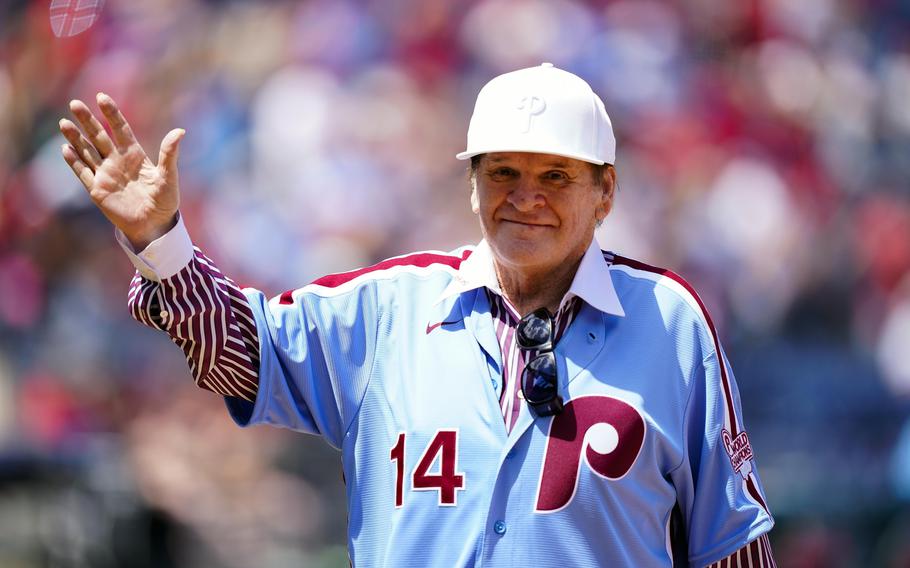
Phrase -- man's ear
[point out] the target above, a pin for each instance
(475, 202)
(608, 189)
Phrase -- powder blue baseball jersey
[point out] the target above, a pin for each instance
(399, 367)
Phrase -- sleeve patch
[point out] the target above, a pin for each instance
(739, 450)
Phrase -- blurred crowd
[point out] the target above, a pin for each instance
(763, 153)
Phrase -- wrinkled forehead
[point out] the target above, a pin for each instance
(532, 159)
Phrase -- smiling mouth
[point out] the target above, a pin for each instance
(525, 223)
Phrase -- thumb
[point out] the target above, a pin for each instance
(170, 148)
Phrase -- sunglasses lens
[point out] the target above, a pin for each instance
(539, 379)
(535, 331)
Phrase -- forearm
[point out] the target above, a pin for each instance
(209, 318)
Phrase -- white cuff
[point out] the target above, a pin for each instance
(163, 257)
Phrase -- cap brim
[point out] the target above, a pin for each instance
(468, 155)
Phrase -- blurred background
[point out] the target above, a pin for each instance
(764, 153)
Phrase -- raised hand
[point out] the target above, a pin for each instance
(140, 198)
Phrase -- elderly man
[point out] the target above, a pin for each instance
(531, 399)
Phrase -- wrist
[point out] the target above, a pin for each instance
(139, 240)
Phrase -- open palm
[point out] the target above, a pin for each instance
(140, 198)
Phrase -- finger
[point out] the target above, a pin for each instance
(170, 149)
(86, 151)
(83, 172)
(92, 128)
(120, 128)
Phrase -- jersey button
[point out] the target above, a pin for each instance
(499, 527)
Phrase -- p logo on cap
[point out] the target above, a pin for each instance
(530, 106)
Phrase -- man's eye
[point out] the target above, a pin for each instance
(502, 173)
(555, 175)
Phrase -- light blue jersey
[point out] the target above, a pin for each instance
(399, 367)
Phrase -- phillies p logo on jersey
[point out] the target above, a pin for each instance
(606, 431)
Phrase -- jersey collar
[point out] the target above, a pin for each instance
(592, 282)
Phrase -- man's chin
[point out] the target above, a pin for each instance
(520, 252)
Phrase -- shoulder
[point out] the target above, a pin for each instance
(422, 265)
(673, 295)
(656, 277)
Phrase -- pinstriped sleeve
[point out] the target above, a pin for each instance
(756, 554)
(178, 290)
(209, 319)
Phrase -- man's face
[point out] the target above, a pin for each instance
(537, 210)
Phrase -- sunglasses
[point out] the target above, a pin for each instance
(540, 379)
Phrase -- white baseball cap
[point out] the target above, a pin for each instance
(541, 109)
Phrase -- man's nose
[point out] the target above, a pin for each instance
(526, 195)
